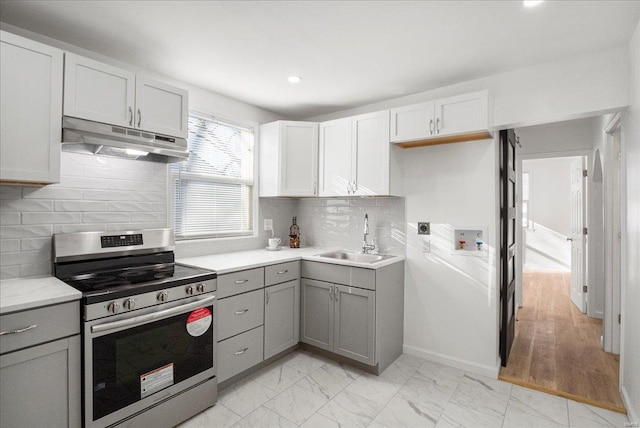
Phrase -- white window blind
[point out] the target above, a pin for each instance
(213, 189)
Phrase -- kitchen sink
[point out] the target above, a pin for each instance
(355, 257)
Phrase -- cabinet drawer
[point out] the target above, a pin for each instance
(340, 274)
(283, 272)
(240, 313)
(52, 322)
(240, 282)
(239, 353)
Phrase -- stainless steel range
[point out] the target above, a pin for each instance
(148, 327)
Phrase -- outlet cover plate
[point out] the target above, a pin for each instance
(268, 224)
(424, 228)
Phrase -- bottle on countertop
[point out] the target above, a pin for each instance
(294, 235)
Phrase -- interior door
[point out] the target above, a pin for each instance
(507, 242)
(578, 296)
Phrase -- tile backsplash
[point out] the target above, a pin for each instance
(108, 194)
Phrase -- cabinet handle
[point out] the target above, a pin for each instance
(335, 293)
(20, 330)
(315, 187)
(242, 281)
(139, 118)
(437, 125)
(282, 272)
(331, 292)
(130, 116)
(244, 311)
(431, 127)
(267, 298)
(240, 352)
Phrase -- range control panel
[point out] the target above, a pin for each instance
(121, 240)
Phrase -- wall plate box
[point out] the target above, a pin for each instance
(470, 241)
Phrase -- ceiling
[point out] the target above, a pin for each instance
(349, 53)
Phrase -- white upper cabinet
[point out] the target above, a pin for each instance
(289, 159)
(356, 157)
(103, 93)
(459, 118)
(336, 158)
(30, 110)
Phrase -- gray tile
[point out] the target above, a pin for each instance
(374, 388)
(582, 415)
(401, 412)
(246, 397)
(480, 393)
(351, 410)
(465, 417)
(303, 362)
(527, 407)
(263, 417)
(326, 381)
(319, 421)
(278, 377)
(218, 416)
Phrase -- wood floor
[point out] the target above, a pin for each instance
(557, 348)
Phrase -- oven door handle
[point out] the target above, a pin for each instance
(143, 319)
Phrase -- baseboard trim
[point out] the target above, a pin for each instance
(631, 411)
(468, 366)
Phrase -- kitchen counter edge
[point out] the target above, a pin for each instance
(28, 293)
(232, 262)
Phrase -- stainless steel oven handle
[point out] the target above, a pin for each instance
(142, 319)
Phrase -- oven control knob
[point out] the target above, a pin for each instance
(129, 304)
(200, 288)
(113, 307)
(189, 290)
(163, 296)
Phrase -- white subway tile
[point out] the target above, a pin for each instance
(150, 217)
(25, 257)
(10, 192)
(9, 245)
(31, 244)
(135, 226)
(84, 183)
(53, 191)
(51, 218)
(130, 206)
(26, 205)
(7, 218)
(25, 231)
(150, 196)
(77, 160)
(82, 206)
(73, 228)
(120, 217)
(136, 185)
(9, 272)
(107, 195)
(35, 269)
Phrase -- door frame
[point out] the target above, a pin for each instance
(611, 329)
(520, 232)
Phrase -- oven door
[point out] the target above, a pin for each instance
(138, 359)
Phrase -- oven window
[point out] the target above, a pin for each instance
(134, 363)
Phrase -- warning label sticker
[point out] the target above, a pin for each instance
(199, 321)
(156, 380)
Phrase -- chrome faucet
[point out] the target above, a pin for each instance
(365, 246)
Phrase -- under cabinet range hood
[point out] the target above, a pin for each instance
(84, 136)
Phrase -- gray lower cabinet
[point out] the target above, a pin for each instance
(239, 353)
(339, 318)
(281, 317)
(40, 367)
(354, 312)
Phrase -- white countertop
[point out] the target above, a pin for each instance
(241, 260)
(29, 293)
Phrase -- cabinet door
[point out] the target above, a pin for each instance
(462, 114)
(161, 108)
(97, 91)
(354, 323)
(281, 317)
(414, 122)
(371, 145)
(30, 110)
(335, 157)
(317, 313)
(298, 158)
(40, 386)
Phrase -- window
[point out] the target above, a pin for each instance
(213, 189)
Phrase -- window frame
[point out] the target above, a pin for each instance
(171, 208)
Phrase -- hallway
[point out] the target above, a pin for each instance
(557, 348)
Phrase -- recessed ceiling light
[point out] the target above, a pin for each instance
(294, 79)
(531, 3)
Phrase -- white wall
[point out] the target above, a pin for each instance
(550, 196)
(571, 88)
(630, 353)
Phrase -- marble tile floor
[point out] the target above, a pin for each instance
(305, 390)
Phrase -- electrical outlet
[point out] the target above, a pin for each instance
(424, 228)
(268, 224)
